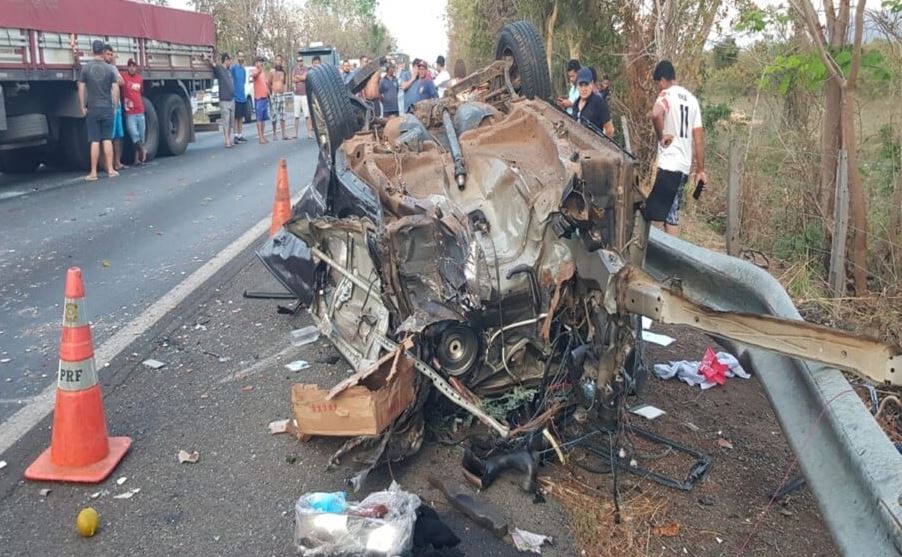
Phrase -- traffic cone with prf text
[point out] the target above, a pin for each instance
(80, 450)
(281, 207)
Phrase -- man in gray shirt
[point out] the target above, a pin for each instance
(98, 94)
(226, 95)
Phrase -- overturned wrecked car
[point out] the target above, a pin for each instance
(499, 244)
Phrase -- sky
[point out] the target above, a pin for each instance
(419, 26)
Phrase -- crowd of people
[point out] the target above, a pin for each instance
(111, 102)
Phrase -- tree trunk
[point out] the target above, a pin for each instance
(895, 227)
(550, 24)
(858, 224)
(831, 141)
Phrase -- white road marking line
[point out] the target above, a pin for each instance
(41, 405)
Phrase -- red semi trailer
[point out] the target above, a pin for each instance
(43, 44)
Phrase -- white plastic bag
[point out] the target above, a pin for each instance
(349, 534)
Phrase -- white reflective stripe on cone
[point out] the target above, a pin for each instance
(74, 314)
(77, 376)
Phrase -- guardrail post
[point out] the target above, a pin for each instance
(840, 227)
(733, 201)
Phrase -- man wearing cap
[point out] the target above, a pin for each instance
(239, 80)
(223, 74)
(133, 100)
(419, 87)
(590, 107)
(98, 92)
(677, 120)
(299, 78)
(261, 99)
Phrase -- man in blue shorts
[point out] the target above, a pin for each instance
(109, 57)
(261, 99)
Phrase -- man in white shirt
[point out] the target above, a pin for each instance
(677, 120)
(442, 78)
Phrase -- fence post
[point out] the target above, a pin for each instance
(840, 227)
(733, 201)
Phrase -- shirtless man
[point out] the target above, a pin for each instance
(277, 81)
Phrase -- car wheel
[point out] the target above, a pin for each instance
(522, 44)
(330, 108)
(21, 161)
(174, 124)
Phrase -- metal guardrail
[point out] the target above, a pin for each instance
(852, 468)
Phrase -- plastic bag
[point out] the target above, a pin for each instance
(358, 531)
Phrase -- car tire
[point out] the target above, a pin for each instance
(24, 160)
(174, 124)
(329, 108)
(521, 42)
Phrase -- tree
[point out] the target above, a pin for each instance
(726, 53)
(839, 119)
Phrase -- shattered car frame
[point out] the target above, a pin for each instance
(505, 242)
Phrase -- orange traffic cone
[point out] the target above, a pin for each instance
(281, 207)
(80, 450)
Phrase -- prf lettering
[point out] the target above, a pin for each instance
(70, 375)
(325, 407)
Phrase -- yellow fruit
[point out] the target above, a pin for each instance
(87, 522)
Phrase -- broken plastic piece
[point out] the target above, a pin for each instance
(297, 365)
(527, 541)
(190, 458)
(305, 335)
(647, 411)
(488, 470)
(475, 509)
(153, 364)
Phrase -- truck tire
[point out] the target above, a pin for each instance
(74, 137)
(152, 124)
(174, 124)
(330, 108)
(24, 160)
(521, 43)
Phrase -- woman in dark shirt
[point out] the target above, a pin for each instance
(591, 107)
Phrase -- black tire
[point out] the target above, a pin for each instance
(520, 42)
(362, 76)
(174, 124)
(152, 135)
(21, 161)
(330, 108)
(74, 136)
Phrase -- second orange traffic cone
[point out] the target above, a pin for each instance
(281, 207)
(80, 450)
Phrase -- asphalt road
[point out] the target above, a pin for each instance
(135, 237)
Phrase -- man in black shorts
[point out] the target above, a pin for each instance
(98, 94)
(677, 120)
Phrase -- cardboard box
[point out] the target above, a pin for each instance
(364, 404)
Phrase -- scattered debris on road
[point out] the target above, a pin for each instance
(528, 541)
(381, 525)
(297, 365)
(283, 426)
(304, 336)
(44, 492)
(128, 494)
(184, 456)
(121, 480)
(3, 464)
(647, 411)
(153, 364)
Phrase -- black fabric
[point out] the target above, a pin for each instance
(99, 123)
(595, 111)
(240, 111)
(667, 184)
(431, 536)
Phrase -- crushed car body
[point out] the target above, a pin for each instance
(500, 244)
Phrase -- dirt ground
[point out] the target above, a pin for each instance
(726, 514)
